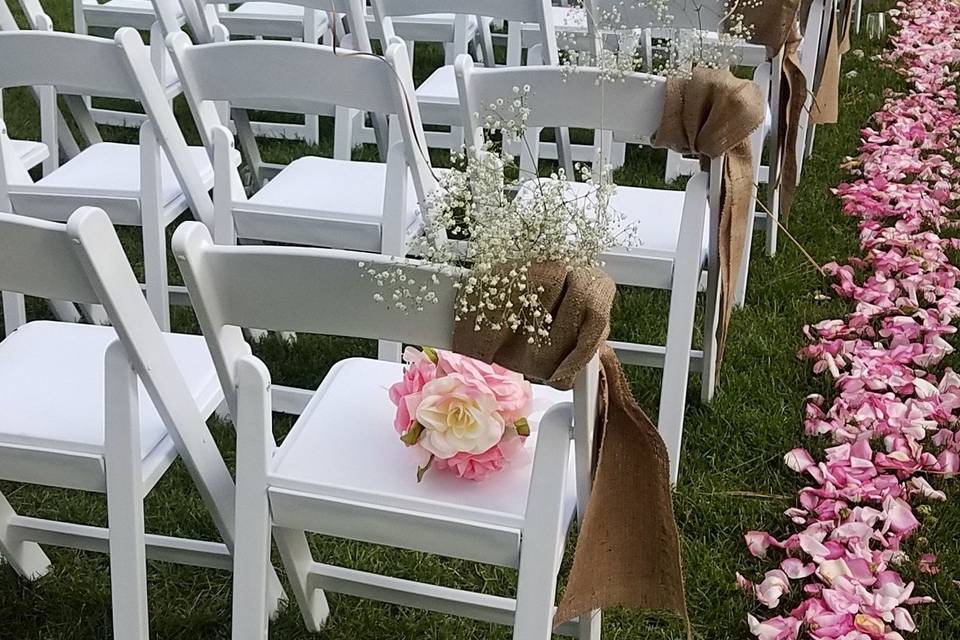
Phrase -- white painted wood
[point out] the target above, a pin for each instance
(545, 526)
(355, 483)
(679, 243)
(118, 177)
(128, 407)
(255, 446)
(128, 556)
(318, 201)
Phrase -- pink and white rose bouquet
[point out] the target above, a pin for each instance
(468, 417)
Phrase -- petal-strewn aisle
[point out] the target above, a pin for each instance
(890, 422)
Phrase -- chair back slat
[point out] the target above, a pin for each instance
(74, 64)
(284, 76)
(631, 106)
(307, 290)
(684, 14)
(518, 10)
(37, 259)
(311, 290)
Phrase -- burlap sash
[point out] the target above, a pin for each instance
(628, 553)
(713, 114)
(775, 26)
(826, 103)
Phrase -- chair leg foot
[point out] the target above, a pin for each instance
(26, 558)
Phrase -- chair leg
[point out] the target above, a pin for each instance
(543, 529)
(26, 558)
(251, 553)
(343, 137)
(297, 559)
(740, 294)
(64, 311)
(590, 626)
(154, 231)
(14, 312)
(711, 322)
(128, 553)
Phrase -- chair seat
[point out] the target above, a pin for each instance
(322, 202)
(52, 376)
(565, 20)
(655, 214)
(430, 27)
(344, 446)
(440, 87)
(31, 153)
(134, 6)
(113, 169)
(138, 14)
(252, 11)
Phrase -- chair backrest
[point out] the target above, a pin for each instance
(302, 78)
(203, 18)
(74, 64)
(704, 15)
(79, 65)
(83, 261)
(631, 106)
(538, 12)
(308, 290)
(38, 258)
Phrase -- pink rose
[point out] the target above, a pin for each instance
(406, 393)
(514, 394)
(477, 467)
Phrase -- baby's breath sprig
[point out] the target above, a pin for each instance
(498, 223)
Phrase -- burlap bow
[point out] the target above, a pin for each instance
(713, 114)
(826, 103)
(628, 553)
(775, 25)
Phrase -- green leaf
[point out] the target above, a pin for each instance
(522, 427)
(412, 435)
(431, 354)
(421, 471)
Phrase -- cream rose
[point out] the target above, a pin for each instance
(457, 418)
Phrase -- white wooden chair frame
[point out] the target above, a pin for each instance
(347, 14)
(215, 22)
(537, 12)
(33, 153)
(633, 109)
(83, 261)
(216, 73)
(62, 63)
(313, 277)
(104, 19)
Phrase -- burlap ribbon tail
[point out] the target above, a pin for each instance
(713, 114)
(826, 103)
(628, 551)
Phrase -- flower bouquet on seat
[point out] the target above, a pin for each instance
(468, 417)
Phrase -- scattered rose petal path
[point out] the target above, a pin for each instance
(892, 418)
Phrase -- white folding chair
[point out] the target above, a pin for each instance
(33, 153)
(358, 483)
(92, 17)
(102, 409)
(347, 15)
(147, 185)
(365, 206)
(437, 95)
(679, 241)
(305, 21)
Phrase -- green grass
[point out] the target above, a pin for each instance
(732, 477)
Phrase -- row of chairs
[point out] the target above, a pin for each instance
(345, 204)
(160, 388)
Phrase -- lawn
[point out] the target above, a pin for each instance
(732, 476)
